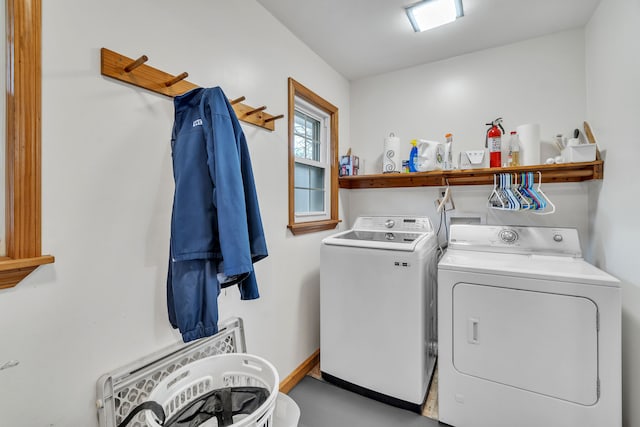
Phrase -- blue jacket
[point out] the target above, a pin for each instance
(216, 229)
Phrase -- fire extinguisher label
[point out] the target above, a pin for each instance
(494, 144)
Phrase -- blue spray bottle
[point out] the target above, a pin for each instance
(413, 156)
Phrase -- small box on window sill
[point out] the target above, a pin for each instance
(349, 165)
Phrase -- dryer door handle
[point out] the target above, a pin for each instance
(473, 326)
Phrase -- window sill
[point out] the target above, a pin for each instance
(12, 271)
(313, 226)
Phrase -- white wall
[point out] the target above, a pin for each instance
(107, 190)
(541, 80)
(613, 101)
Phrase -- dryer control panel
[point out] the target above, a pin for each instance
(557, 241)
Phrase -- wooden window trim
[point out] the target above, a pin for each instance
(23, 135)
(298, 90)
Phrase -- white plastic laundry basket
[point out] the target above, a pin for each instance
(188, 383)
(287, 412)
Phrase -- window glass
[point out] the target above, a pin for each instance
(310, 189)
(307, 136)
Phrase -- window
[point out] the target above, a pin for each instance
(313, 159)
(311, 163)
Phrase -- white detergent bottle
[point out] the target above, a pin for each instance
(448, 153)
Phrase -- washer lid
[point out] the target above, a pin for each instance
(399, 241)
(399, 233)
(557, 268)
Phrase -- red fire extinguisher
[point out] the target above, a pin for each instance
(493, 142)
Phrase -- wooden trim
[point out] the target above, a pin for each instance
(312, 97)
(298, 90)
(11, 264)
(23, 142)
(566, 172)
(291, 112)
(313, 226)
(12, 271)
(23, 129)
(335, 166)
(298, 374)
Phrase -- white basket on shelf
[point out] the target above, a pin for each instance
(192, 381)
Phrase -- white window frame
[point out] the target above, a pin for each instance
(324, 162)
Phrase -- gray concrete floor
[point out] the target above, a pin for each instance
(325, 405)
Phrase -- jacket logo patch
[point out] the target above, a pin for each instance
(197, 122)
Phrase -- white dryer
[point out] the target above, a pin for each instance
(529, 332)
(378, 332)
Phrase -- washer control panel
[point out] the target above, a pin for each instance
(516, 239)
(415, 224)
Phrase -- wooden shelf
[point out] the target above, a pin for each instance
(567, 172)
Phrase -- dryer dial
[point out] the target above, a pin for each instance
(508, 235)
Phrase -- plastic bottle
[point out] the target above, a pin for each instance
(448, 155)
(506, 152)
(413, 156)
(514, 149)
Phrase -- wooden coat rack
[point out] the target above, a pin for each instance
(135, 72)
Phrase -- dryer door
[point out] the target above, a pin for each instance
(536, 341)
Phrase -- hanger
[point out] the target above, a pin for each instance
(548, 201)
(527, 196)
(515, 202)
(525, 202)
(496, 200)
(508, 194)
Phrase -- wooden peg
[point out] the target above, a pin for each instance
(235, 101)
(270, 119)
(176, 79)
(255, 110)
(135, 64)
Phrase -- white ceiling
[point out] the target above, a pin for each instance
(361, 38)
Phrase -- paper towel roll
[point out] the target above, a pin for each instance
(391, 158)
(529, 135)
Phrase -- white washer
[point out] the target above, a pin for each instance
(378, 330)
(529, 332)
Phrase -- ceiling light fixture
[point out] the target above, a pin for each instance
(429, 14)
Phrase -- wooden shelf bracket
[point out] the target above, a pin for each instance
(137, 73)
